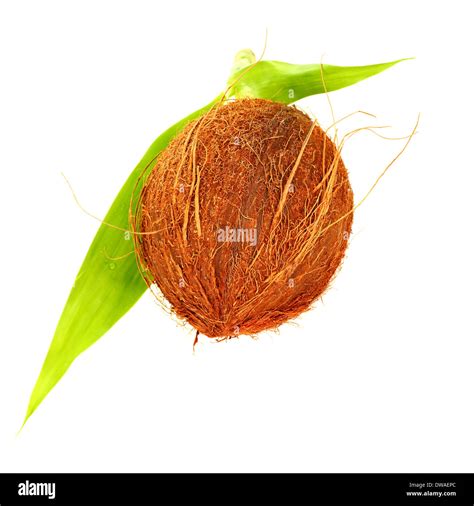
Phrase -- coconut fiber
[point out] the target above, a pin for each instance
(244, 219)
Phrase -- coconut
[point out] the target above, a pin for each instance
(244, 219)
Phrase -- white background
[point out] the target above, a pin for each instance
(378, 377)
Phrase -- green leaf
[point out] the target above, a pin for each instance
(106, 286)
(109, 283)
(287, 82)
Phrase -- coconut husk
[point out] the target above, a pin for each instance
(244, 219)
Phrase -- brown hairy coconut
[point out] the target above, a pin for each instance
(244, 219)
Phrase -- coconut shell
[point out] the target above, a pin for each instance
(244, 219)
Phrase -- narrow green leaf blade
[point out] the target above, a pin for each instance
(106, 286)
(287, 82)
(105, 289)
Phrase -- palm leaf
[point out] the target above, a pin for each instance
(287, 82)
(105, 289)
